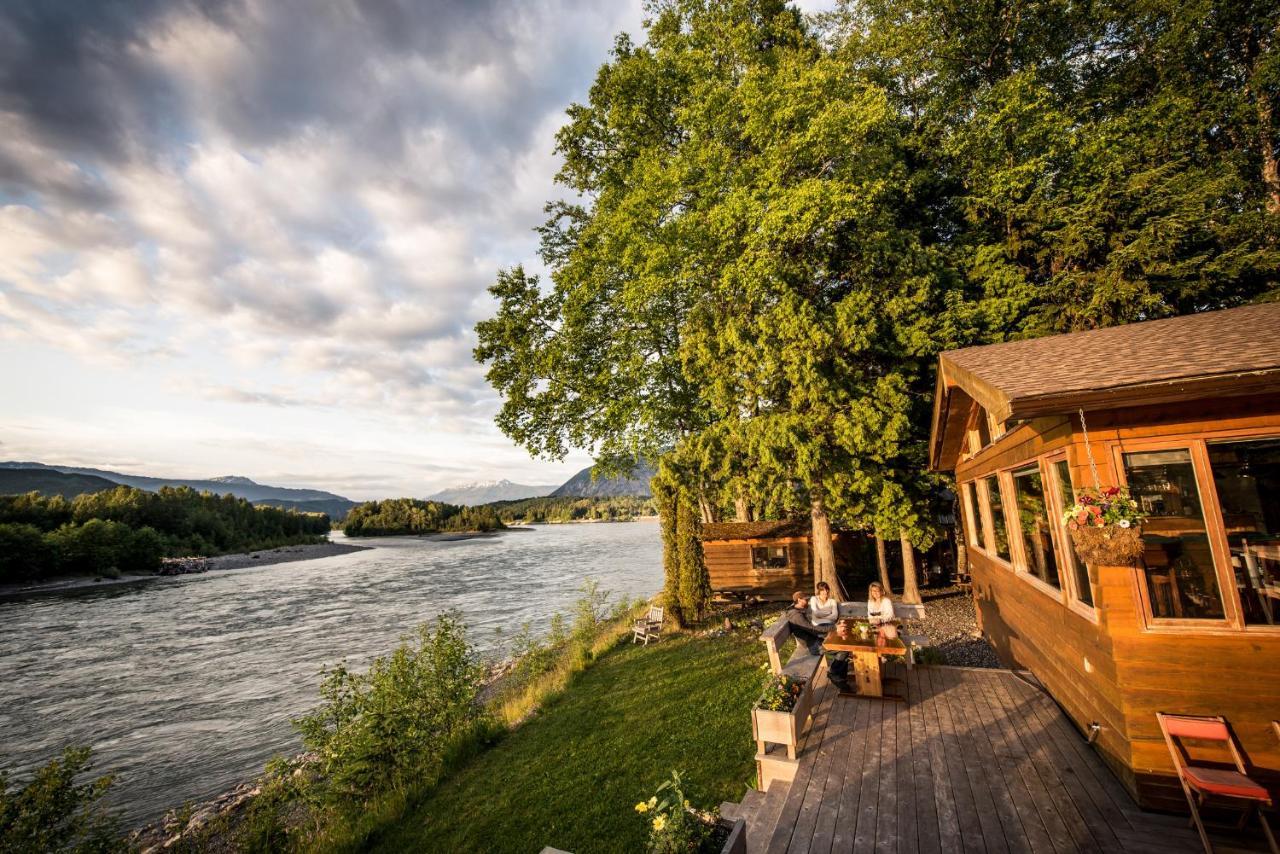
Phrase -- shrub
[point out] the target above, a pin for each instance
(51, 813)
(24, 554)
(392, 725)
(675, 827)
(930, 655)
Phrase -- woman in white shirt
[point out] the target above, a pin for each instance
(879, 608)
(823, 610)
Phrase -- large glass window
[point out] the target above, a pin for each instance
(1246, 476)
(975, 513)
(998, 529)
(1181, 582)
(1033, 521)
(1067, 499)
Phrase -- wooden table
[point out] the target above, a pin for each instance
(864, 660)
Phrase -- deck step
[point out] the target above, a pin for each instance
(760, 826)
(730, 810)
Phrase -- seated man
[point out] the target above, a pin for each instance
(812, 636)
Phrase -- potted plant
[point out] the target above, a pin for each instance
(1106, 526)
(676, 827)
(781, 712)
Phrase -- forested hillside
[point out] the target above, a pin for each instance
(400, 516)
(128, 529)
(552, 509)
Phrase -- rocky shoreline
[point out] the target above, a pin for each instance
(170, 567)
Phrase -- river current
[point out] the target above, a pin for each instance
(185, 687)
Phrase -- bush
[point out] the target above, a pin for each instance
(52, 813)
(24, 554)
(393, 725)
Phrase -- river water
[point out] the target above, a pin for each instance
(185, 687)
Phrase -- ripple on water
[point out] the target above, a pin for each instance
(185, 687)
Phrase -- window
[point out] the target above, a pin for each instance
(975, 514)
(998, 526)
(1246, 476)
(1181, 581)
(1067, 499)
(770, 557)
(1033, 522)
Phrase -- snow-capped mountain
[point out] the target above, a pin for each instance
(484, 492)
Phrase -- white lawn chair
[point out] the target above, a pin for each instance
(648, 627)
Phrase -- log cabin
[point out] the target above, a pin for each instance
(770, 560)
(1185, 412)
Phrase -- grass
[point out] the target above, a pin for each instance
(570, 776)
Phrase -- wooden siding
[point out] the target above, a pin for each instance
(1135, 668)
(730, 567)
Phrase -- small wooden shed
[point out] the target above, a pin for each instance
(1185, 412)
(766, 559)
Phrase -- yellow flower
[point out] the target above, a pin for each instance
(653, 802)
(660, 822)
(642, 807)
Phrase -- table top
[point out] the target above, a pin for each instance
(853, 643)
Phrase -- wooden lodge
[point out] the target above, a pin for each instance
(1185, 412)
(767, 559)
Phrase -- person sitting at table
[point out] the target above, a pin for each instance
(804, 630)
(823, 610)
(879, 608)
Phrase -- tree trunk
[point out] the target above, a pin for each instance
(741, 509)
(824, 554)
(883, 562)
(910, 586)
(706, 510)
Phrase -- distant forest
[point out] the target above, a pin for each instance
(403, 516)
(105, 533)
(400, 516)
(618, 508)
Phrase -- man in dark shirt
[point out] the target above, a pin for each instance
(812, 636)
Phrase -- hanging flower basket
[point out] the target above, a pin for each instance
(1106, 527)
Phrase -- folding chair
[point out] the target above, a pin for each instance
(1209, 784)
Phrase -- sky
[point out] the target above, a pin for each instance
(253, 237)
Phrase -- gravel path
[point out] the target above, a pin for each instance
(951, 626)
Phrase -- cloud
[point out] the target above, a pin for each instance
(322, 190)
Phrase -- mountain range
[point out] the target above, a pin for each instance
(19, 477)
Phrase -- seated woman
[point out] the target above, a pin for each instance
(823, 610)
(879, 608)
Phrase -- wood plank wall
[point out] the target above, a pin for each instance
(1132, 670)
(729, 565)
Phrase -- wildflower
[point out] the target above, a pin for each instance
(642, 807)
(1124, 523)
(659, 822)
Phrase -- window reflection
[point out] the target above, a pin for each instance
(1246, 476)
(769, 557)
(1033, 520)
(1181, 582)
(1066, 498)
(998, 527)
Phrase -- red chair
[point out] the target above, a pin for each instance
(1211, 785)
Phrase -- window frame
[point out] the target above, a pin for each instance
(1215, 534)
(1022, 565)
(999, 477)
(1069, 562)
(786, 549)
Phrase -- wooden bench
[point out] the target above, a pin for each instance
(801, 665)
(858, 611)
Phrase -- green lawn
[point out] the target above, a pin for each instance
(571, 776)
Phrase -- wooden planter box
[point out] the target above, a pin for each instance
(783, 728)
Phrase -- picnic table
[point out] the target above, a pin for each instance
(865, 656)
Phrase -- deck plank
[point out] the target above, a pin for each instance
(929, 797)
(780, 841)
(840, 732)
(909, 819)
(887, 806)
(967, 819)
(816, 796)
(864, 839)
(842, 839)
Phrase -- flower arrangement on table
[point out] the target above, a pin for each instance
(780, 693)
(674, 825)
(1106, 526)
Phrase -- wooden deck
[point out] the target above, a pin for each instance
(974, 761)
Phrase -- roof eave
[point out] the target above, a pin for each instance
(1147, 394)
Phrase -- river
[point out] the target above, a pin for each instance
(185, 687)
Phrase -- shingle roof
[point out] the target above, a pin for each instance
(756, 530)
(1215, 353)
(1213, 343)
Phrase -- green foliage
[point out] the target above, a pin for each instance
(392, 725)
(54, 813)
(687, 583)
(400, 516)
(127, 529)
(534, 511)
(673, 826)
(779, 693)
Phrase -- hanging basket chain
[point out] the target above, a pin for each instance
(1093, 466)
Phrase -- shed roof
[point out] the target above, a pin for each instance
(1232, 351)
(756, 530)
